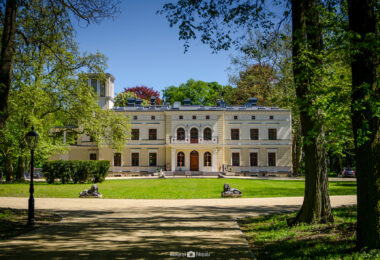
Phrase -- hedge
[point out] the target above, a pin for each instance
(75, 171)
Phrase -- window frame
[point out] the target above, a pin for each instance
(118, 160)
(232, 159)
(251, 162)
(207, 159)
(96, 157)
(256, 134)
(150, 159)
(150, 135)
(138, 134)
(184, 134)
(209, 138)
(233, 135)
(135, 163)
(182, 160)
(270, 136)
(270, 161)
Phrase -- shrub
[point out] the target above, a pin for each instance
(76, 171)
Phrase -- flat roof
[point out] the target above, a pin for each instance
(196, 108)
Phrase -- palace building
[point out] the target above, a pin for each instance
(183, 138)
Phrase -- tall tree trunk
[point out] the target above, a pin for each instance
(6, 58)
(365, 123)
(20, 168)
(307, 45)
(8, 162)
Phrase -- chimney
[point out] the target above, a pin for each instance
(138, 102)
(131, 102)
(153, 101)
(187, 102)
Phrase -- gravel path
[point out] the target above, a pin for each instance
(144, 229)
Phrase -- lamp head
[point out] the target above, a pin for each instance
(32, 139)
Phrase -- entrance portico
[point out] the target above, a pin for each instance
(199, 158)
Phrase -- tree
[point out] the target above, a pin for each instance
(60, 13)
(365, 108)
(121, 99)
(145, 93)
(200, 92)
(217, 22)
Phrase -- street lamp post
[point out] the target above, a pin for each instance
(32, 140)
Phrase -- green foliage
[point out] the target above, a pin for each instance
(200, 92)
(75, 171)
(121, 99)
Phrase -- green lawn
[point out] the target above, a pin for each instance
(271, 238)
(173, 188)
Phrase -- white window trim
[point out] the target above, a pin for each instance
(275, 162)
(156, 152)
(232, 151)
(135, 151)
(113, 159)
(258, 156)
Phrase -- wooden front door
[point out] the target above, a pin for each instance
(194, 161)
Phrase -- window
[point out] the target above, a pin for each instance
(153, 117)
(194, 117)
(180, 159)
(270, 117)
(235, 159)
(235, 117)
(152, 159)
(193, 135)
(254, 134)
(180, 134)
(135, 134)
(94, 85)
(207, 159)
(207, 117)
(253, 159)
(180, 117)
(272, 134)
(271, 159)
(135, 159)
(253, 117)
(117, 159)
(234, 134)
(152, 134)
(134, 117)
(207, 134)
(93, 156)
(102, 89)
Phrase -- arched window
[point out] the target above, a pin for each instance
(180, 134)
(207, 159)
(207, 134)
(180, 159)
(194, 135)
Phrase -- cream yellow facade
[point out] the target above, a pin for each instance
(204, 140)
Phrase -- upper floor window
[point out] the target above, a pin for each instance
(153, 117)
(93, 156)
(94, 85)
(180, 117)
(134, 117)
(102, 89)
(272, 134)
(235, 117)
(194, 117)
(152, 159)
(234, 134)
(180, 134)
(152, 134)
(235, 159)
(254, 134)
(180, 159)
(117, 159)
(135, 159)
(253, 117)
(270, 117)
(207, 134)
(207, 117)
(207, 159)
(253, 159)
(271, 159)
(135, 134)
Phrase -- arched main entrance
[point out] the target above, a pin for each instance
(194, 161)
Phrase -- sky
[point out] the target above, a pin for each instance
(143, 50)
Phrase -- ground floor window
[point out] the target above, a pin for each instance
(152, 159)
(235, 159)
(93, 156)
(180, 159)
(253, 159)
(117, 159)
(135, 159)
(271, 159)
(207, 159)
